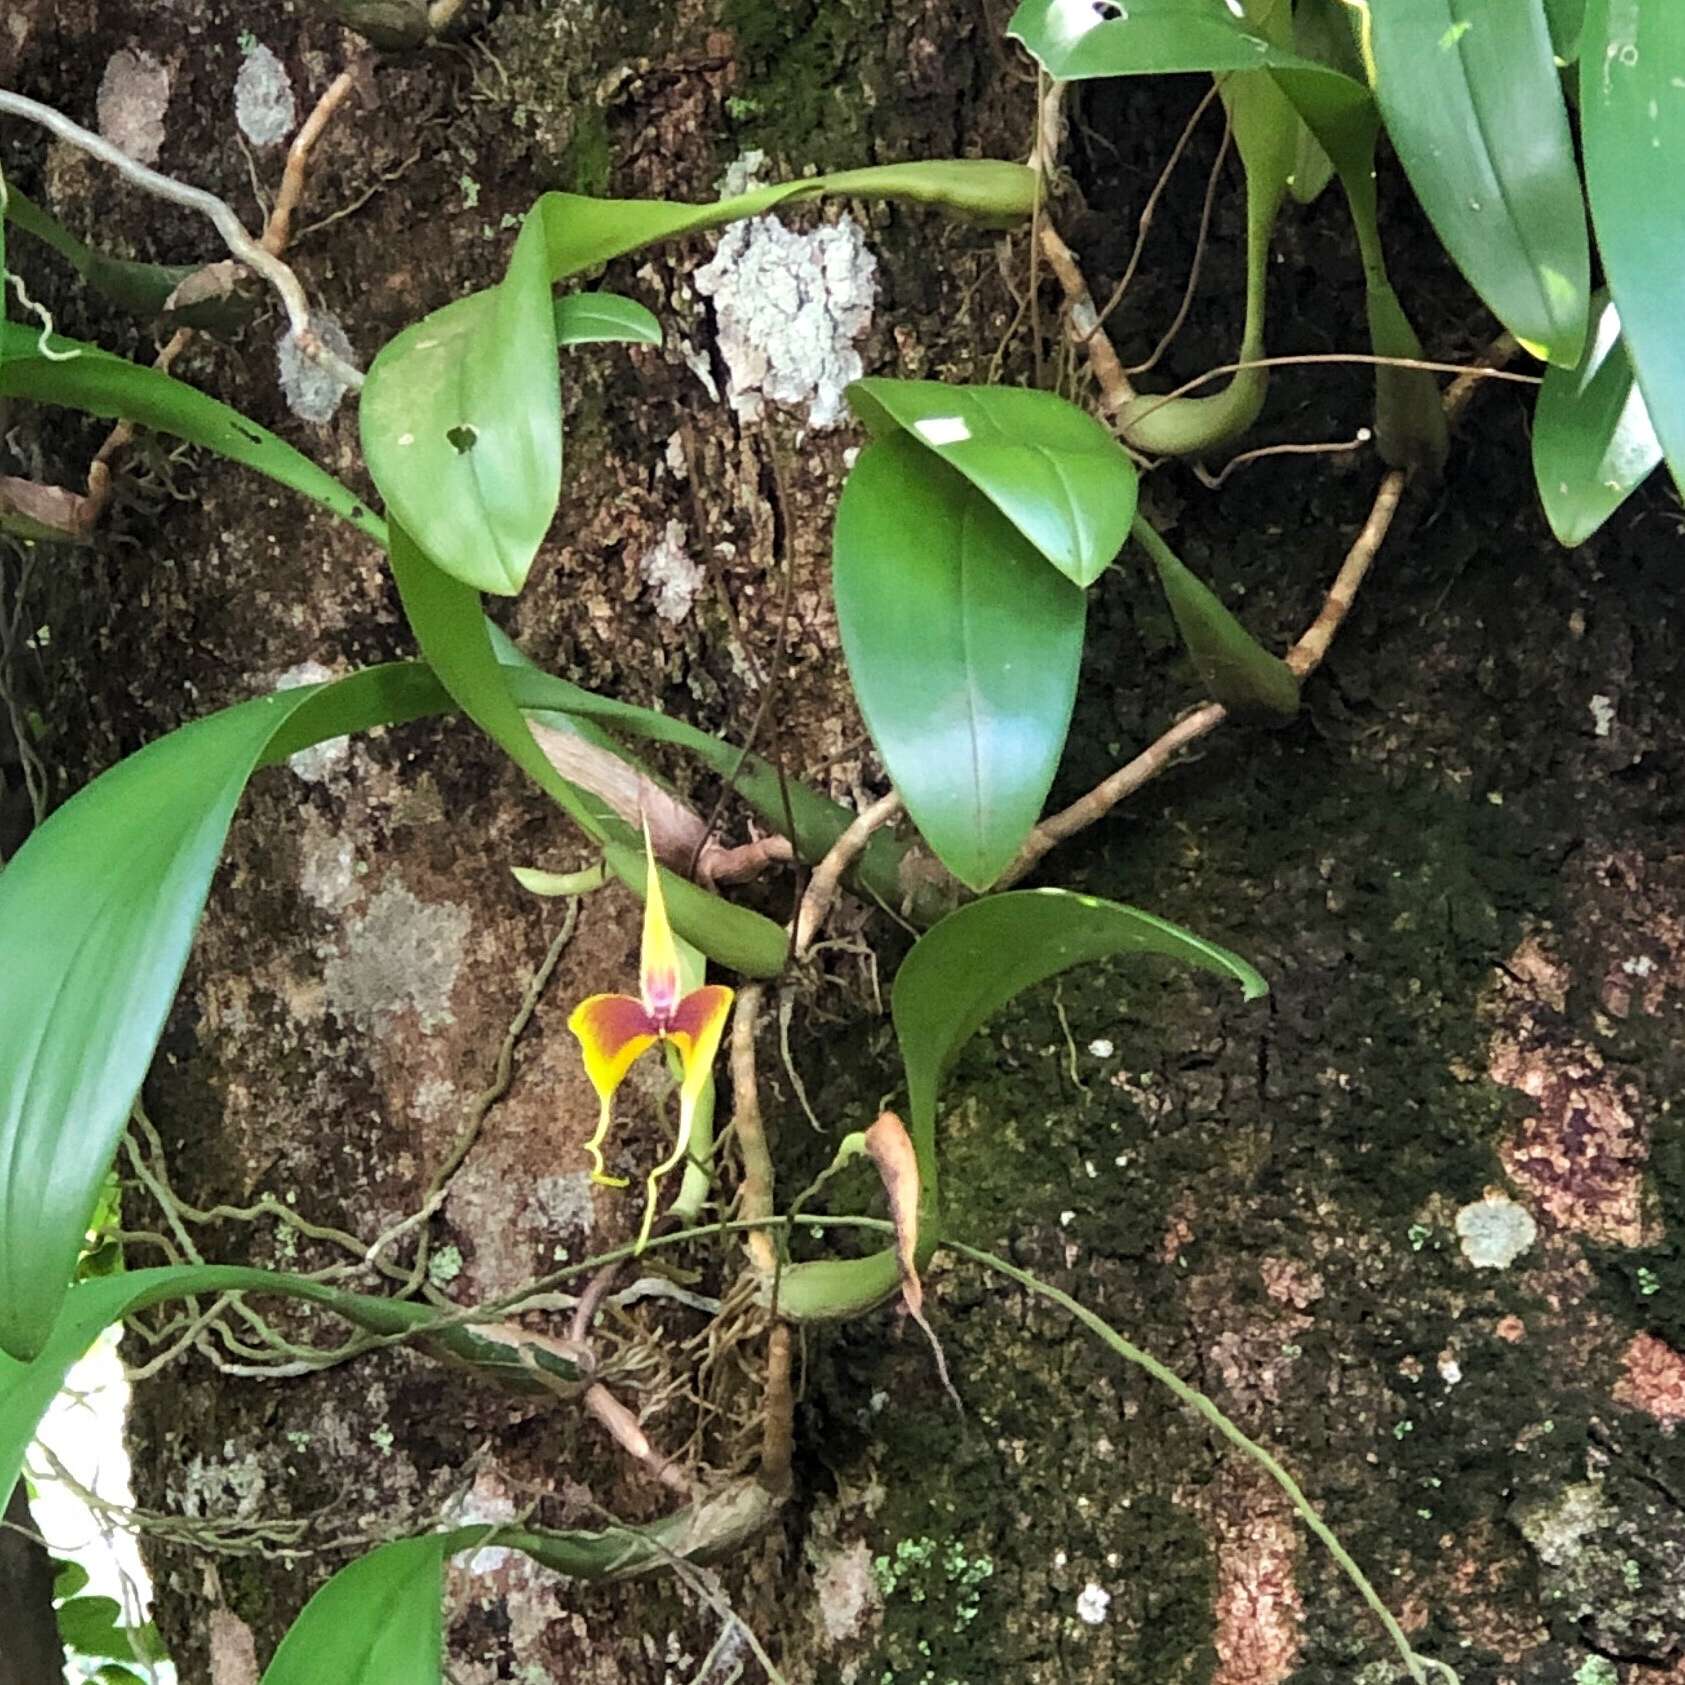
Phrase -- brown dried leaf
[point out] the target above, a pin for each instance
(891, 1150)
(33, 511)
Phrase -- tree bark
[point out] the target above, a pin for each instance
(1413, 1222)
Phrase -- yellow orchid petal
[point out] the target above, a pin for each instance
(696, 1029)
(594, 1147)
(698, 1025)
(659, 967)
(614, 1032)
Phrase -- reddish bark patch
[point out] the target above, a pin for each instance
(1654, 1380)
(1579, 1160)
(1258, 1611)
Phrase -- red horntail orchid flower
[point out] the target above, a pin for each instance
(615, 1031)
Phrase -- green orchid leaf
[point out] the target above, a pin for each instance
(963, 647)
(1158, 37)
(82, 377)
(448, 623)
(1632, 115)
(461, 414)
(99, 907)
(1076, 42)
(1237, 670)
(1593, 444)
(1322, 34)
(142, 289)
(1052, 469)
(378, 1621)
(786, 805)
(1473, 104)
(1567, 21)
(461, 422)
(584, 233)
(596, 318)
(986, 953)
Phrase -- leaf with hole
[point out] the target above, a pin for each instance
(963, 648)
(1473, 104)
(83, 377)
(1073, 41)
(1593, 444)
(461, 422)
(598, 318)
(1052, 469)
(1632, 116)
(1076, 42)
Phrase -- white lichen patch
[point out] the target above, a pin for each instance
(312, 392)
(670, 570)
(1494, 1231)
(1602, 715)
(845, 1590)
(562, 1204)
(264, 106)
(1092, 1603)
(790, 308)
(402, 953)
(134, 93)
(329, 873)
(320, 760)
(488, 1502)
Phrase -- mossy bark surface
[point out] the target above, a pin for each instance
(1459, 868)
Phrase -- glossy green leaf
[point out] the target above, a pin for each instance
(1473, 104)
(448, 623)
(963, 648)
(1632, 115)
(99, 907)
(1322, 33)
(595, 318)
(1567, 21)
(1593, 444)
(461, 422)
(785, 804)
(980, 957)
(83, 377)
(378, 1621)
(584, 233)
(1237, 670)
(1076, 42)
(461, 414)
(1052, 469)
